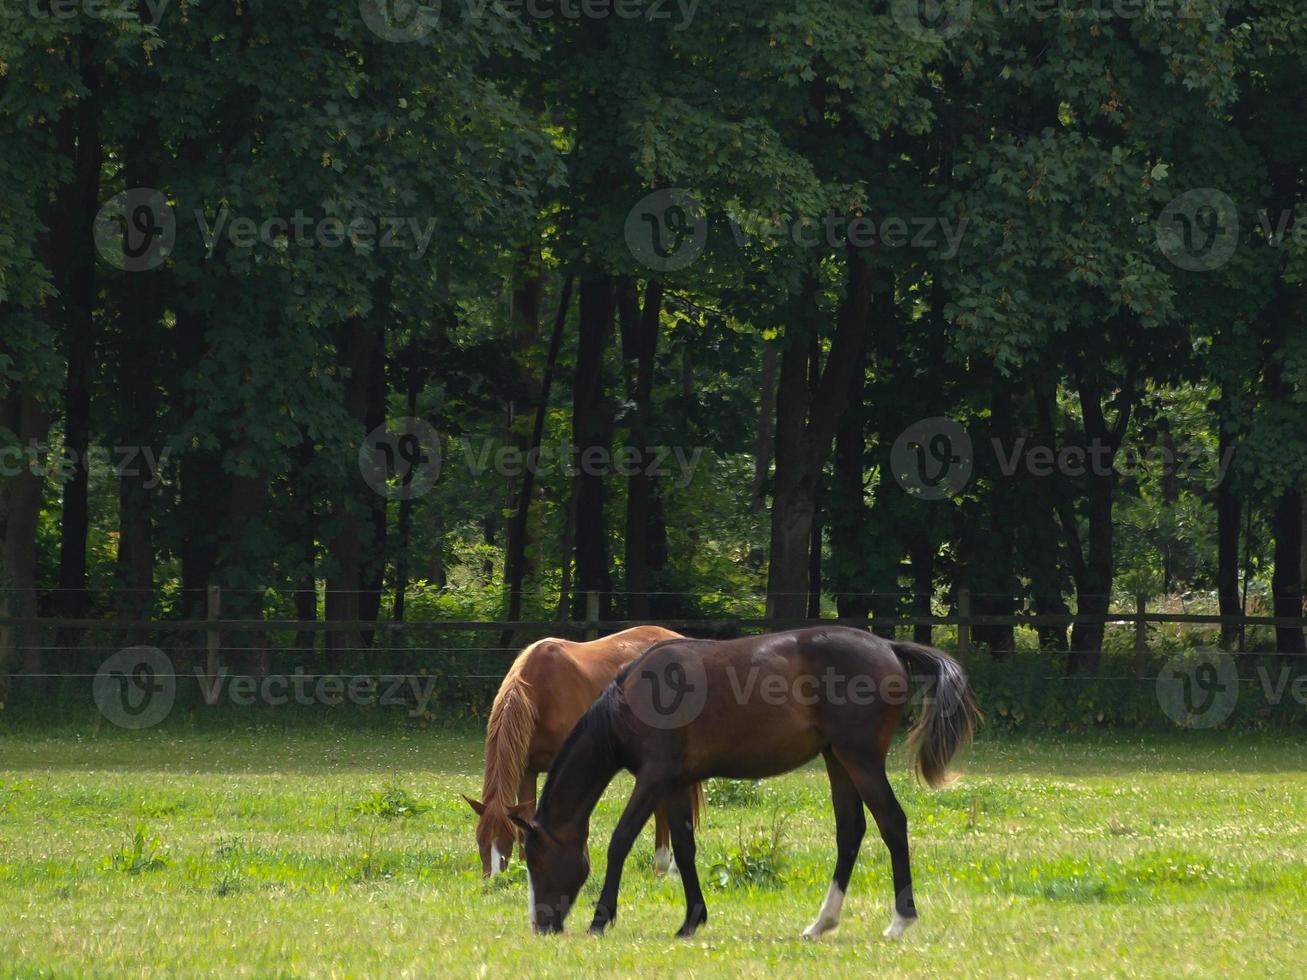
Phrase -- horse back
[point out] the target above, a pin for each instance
(566, 676)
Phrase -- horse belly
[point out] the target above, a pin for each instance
(757, 754)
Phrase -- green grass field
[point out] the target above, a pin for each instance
(317, 853)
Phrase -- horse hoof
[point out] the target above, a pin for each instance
(898, 926)
(817, 930)
(665, 863)
(597, 929)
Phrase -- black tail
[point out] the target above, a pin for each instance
(949, 715)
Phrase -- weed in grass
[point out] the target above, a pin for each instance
(371, 865)
(758, 861)
(509, 879)
(391, 802)
(142, 853)
(733, 792)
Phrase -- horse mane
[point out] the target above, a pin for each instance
(508, 735)
(591, 737)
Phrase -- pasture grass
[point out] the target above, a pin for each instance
(273, 852)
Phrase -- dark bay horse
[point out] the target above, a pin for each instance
(747, 708)
(544, 694)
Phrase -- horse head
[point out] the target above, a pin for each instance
(557, 865)
(495, 834)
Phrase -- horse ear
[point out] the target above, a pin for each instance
(523, 816)
(476, 805)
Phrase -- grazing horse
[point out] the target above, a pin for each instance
(546, 691)
(746, 708)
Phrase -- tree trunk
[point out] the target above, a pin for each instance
(806, 420)
(640, 330)
(592, 434)
(77, 276)
(848, 511)
(990, 531)
(528, 294)
(306, 562)
(141, 342)
(515, 549)
(24, 416)
(204, 484)
(373, 573)
(353, 512)
(1046, 503)
(1094, 582)
(1286, 580)
(240, 575)
(766, 421)
(922, 553)
(405, 528)
(1228, 515)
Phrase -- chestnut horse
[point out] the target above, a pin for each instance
(746, 708)
(542, 697)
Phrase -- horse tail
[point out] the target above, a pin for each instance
(949, 715)
(698, 803)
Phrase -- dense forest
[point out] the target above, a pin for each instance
(377, 310)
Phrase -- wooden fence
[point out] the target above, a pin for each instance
(389, 635)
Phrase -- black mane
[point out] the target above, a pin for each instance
(590, 746)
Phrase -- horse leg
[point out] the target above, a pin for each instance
(868, 774)
(662, 852)
(638, 810)
(680, 813)
(850, 826)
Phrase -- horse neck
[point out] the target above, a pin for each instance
(582, 771)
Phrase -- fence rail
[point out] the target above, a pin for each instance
(214, 626)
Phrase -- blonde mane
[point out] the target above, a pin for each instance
(508, 736)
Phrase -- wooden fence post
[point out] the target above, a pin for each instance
(212, 636)
(591, 615)
(1141, 637)
(964, 625)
